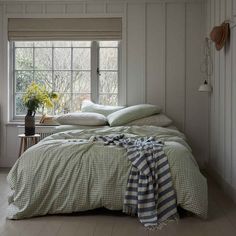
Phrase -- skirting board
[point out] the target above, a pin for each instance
(226, 187)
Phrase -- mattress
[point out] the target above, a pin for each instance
(62, 128)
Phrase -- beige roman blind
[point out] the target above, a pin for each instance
(64, 29)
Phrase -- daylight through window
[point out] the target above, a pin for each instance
(77, 70)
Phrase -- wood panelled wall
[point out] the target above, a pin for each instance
(164, 44)
(161, 53)
(223, 99)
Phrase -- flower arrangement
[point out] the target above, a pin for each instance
(37, 96)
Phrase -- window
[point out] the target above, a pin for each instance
(77, 70)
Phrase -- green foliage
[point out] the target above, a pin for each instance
(37, 96)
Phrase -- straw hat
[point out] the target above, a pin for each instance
(219, 35)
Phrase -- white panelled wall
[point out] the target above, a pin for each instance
(222, 161)
(161, 56)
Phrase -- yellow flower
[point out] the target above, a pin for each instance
(37, 96)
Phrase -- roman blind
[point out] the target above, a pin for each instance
(64, 28)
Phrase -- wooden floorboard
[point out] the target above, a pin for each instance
(221, 221)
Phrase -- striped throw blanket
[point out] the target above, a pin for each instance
(150, 192)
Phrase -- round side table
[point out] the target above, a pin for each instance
(26, 141)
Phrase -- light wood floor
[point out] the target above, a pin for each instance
(222, 221)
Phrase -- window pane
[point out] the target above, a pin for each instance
(108, 43)
(108, 82)
(44, 78)
(108, 59)
(62, 81)
(20, 108)
(62, 43)
(77, 101)
(23, 44)
(24, 58)
(62, 58)
(108, 99)
(63, 103)
(23, 80)
(81, 43)
(43, 44)
(81, 58)
(43, 58)
(81, 82)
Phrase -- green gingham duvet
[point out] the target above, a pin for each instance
(69, 172)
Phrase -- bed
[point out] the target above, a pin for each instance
(68, 172)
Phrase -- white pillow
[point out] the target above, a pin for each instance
(88, 106)
(155, 120)
(82, 118)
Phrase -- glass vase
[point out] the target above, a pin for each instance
(30, 123)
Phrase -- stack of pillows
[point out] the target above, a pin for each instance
(99, 115)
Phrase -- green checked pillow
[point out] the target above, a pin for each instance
(132, 113)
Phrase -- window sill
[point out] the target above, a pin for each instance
(14, 123)
(22, 123)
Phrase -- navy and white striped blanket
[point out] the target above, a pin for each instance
(150, 192)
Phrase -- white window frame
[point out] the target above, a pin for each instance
(94, 77)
